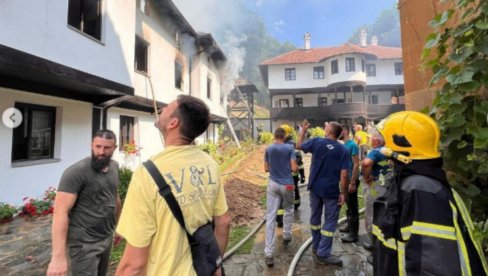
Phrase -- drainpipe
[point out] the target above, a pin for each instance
(110, 103)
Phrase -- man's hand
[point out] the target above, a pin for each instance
(117, 240)
(58, 267)
(352, 188)
(305, 125)
(342, 199)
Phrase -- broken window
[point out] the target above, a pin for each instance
(86, 16)
(178, 75)
(140, 62)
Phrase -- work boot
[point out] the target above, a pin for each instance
(269, 260)
(348, 237)
(368, 242)
(287, 240)
(331, 260)
(352, 235)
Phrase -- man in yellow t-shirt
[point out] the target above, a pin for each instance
(156, 243)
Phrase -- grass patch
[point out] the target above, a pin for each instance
(236, 235)
(117, 252)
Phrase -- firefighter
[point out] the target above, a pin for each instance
(297, 176)
(421, 225)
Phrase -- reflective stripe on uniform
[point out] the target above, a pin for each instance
(315, 227)
(469, 224)
(327, 233)
(280, 212)
(429, 229)
(390, 243)
(463, 252)
(401, 259)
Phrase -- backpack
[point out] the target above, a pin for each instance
(205, 250)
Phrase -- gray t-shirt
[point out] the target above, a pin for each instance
(92, 218)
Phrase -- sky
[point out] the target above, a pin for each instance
(330, 22)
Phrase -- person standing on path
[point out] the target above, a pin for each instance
(279, 161)
(86, 209)
(156, 243)
(330, 164)
(352, 195)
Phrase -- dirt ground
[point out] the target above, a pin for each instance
(244, 185)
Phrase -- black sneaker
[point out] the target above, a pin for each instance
(349, 238)
(287, 240)
(269, 260)
(329, 261)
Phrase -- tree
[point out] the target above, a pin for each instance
(386, 28)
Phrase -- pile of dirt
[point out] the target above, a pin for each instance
(244, 201)
(244, 187)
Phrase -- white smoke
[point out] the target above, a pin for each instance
(224, 20)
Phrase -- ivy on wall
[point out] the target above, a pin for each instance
(457, 53)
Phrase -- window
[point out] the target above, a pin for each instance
(350, 65)
(318, 72)
(322, 101)
(140, 60)
(126, 131)
(298, 102)
(334, 67)
(178, 75)
(371, 70)
(284, 103)
(209, 88)
(86, 16)
(290, 74)
(33, 139)
(398, 68)
(374, 99)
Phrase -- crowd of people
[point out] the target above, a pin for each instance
(416, 224)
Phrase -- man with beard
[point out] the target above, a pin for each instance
(86, 209)
(156, 243)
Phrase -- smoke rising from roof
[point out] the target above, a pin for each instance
(225, 21)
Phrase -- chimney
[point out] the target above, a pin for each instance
(362, 38)
(307, 41)
(374, 40)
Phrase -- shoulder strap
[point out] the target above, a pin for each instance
(165, 192)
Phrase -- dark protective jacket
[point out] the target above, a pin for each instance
(422, 227)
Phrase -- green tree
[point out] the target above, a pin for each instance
(386, 28)
(457, 53)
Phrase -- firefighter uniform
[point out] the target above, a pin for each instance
(421, 226)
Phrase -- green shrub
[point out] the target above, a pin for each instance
(266, 138)
(125, 174)
(6, 210)
(317, 132)
(209, 148)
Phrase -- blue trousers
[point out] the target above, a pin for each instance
(322, 236)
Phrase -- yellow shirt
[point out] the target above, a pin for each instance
(361, 138)
(146, 219)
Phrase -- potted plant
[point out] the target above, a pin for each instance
(7, 212)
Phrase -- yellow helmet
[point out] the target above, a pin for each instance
(411, 132)
(287, 129)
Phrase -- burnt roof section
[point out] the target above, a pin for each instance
(245, 86)
(169, 8)
(210, 46)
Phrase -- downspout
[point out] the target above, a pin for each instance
(110, 103)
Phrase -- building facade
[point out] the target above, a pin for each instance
(347, 83)
(73, 67)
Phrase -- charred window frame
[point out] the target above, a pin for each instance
(290, 74)
(209, 87)
(371, 70)
(350, 64)
(178, 75)
(398, 68)
(334, 67)
(33, 139)
(298, 102)
(86, 16)
(126, 130)
(284, 103)
(141, 55)
(318, 72)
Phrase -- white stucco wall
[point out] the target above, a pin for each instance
(385, 72)
(72, 143)
(40, 28)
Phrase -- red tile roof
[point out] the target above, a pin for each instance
(318, 54)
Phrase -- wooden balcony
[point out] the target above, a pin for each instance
(336, 111)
